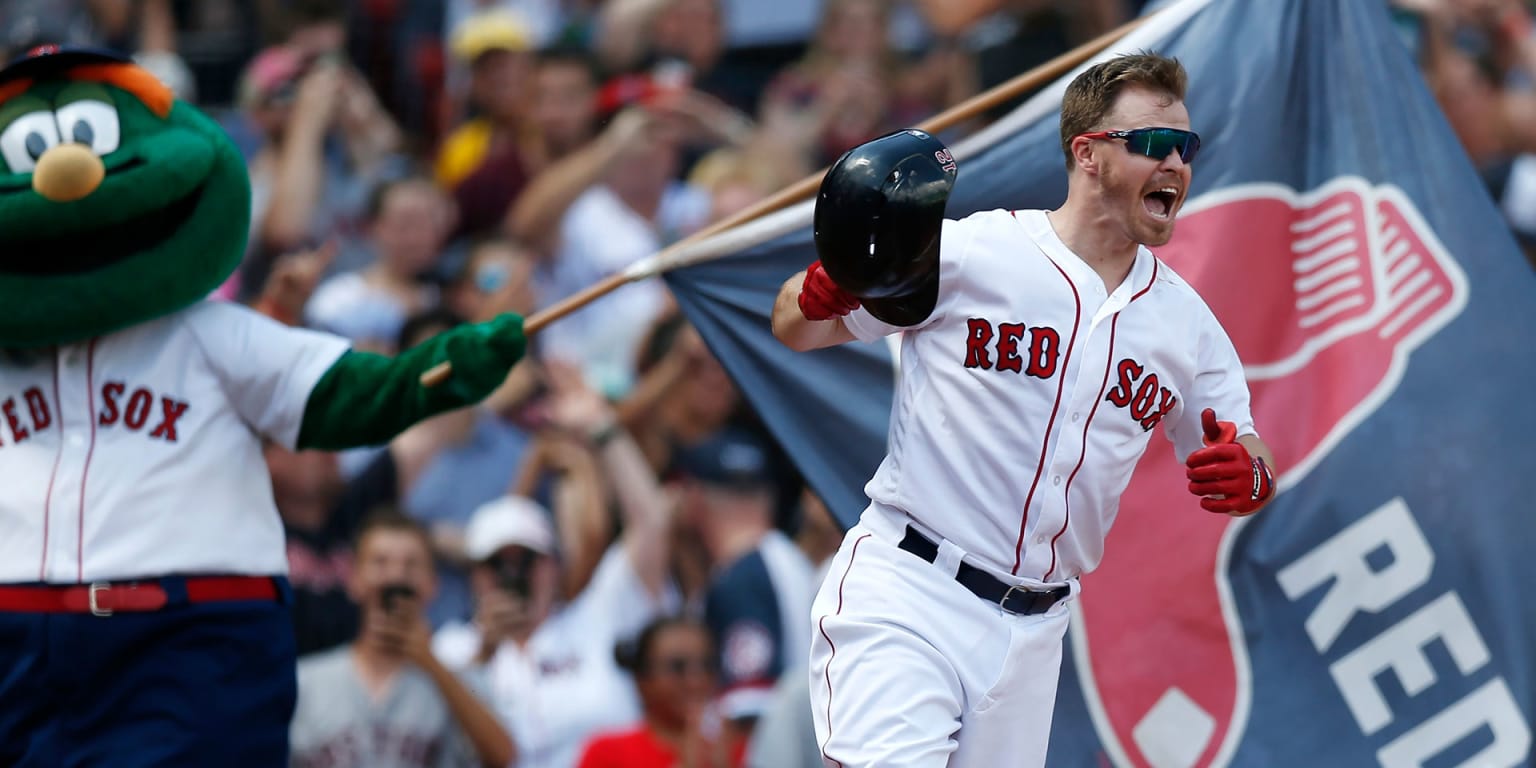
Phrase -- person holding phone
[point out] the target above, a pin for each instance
(385, 701)
(546, 649)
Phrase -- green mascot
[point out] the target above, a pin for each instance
(143, 617)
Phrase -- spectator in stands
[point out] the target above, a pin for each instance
(565, 104)
(674, 38)
(446, 467)
(549, 660)
(323, 143)
(408, 220)
(595, 213)
(386, 700)
(673, 665)
(738, 178)
(497, 277)
(785, 736)
(758, 604)
(486, 162)
(545, 20)
(1479, 59)
(683, 395)
(306, 487)
(216, 38)
(853, 85)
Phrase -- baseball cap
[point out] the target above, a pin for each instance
(270, 72)
(732, 458)
(493, 30)
(505, 522)
(48, 59)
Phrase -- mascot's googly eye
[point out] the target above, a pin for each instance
(89, 122)
(27, 138)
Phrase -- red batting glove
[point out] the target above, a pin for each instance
(821, 299)
(1223, 474)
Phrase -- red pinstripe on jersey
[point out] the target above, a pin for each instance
(85, 474)
(1109, 363)
(1061, 380)
(58, 405)
(821, 626)
(1143, 292)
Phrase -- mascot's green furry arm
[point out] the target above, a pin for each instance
(121, 206)
(366, 399)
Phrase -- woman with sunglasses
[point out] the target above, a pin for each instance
(1039, 351)
(673, 664)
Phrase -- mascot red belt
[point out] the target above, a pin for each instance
(143, 617)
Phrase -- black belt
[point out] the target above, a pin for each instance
(1010, 597)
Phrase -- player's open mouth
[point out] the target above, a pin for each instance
(1159, 202)
(77, 252)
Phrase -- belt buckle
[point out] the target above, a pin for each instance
(96, 589)
(1003, 601)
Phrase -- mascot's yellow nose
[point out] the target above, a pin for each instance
(68, 172)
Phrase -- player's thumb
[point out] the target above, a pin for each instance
(1211, 426)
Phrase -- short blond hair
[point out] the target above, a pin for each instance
(1090, 97)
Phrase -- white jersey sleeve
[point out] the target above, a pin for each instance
(616, 601)
(1219, 385)
(954, 238)
(267, 369)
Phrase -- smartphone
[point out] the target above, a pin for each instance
(513, 570)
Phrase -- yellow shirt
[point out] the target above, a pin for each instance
(462, 152)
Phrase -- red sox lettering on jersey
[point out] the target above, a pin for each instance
(136, 408)
(134, 413)
(1347, 281)
(1135, 389)
(111, 423)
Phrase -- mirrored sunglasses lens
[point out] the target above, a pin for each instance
(1158, 143)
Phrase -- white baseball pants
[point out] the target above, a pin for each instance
(909, 669)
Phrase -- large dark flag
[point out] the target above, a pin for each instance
(1380, 610)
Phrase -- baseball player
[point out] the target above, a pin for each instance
(1040, 350)
(143, 604)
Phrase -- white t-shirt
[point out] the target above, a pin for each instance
(349, 306)
(564, 686)
(1027, 397)
(138, 454)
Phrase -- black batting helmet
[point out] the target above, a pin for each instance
(878, 219)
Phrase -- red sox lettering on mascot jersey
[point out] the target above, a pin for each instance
(31, 414)
(1136, 388)
(136, 408)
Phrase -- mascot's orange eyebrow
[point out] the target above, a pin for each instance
(139, 82)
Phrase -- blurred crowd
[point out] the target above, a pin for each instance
(1479, 59)
(608, 563)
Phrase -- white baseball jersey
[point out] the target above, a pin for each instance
(1027, 397)
(138, 454)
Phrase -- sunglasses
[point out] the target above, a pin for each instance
(1156, 143)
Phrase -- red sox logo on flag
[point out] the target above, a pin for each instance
(1325, 294)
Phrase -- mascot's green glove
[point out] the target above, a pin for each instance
(367, 399)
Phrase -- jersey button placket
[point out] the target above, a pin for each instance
(64, 501)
